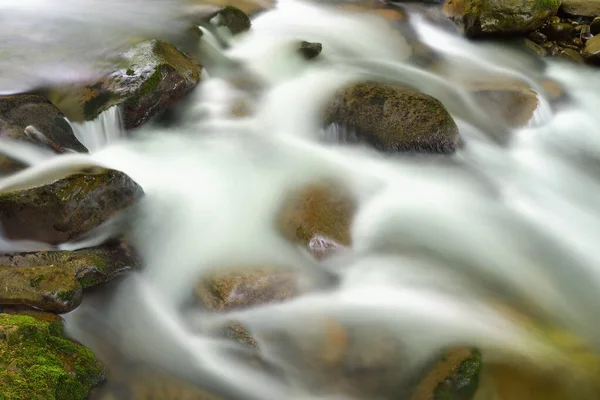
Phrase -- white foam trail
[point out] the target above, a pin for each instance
(438, 244)
(104, 130)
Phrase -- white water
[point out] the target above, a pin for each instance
(436, 246)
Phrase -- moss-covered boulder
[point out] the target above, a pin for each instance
(36, 120)
(37, 362)
(48, 288)
(239, 288)
(318, 216)
(393, 118)
(63, 210)
(153, 76)
(89, 267)
(499, 17)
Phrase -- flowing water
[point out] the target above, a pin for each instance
(493, 247)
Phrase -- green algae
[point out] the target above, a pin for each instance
(37, 362)
(463, 384)
(34, 282)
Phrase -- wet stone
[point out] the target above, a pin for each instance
(393, 118)
(571, 55)
(591, 51)
(64, 210)
(595, 26)
(232, 18)
(310, 50)
(558, 32)
(538, 37)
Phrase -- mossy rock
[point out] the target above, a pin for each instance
(152, 76)
(64, 210)
(393, 118)
(37, 362)
(51, 129)
(500, 17)
(47, 288)
(231, 18)
(90, 266)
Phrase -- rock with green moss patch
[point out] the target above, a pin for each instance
(89, 266)
(37, 362)
(393, 118)
(153, 76)
(64, 210)
(500, 17)
(36, 120)
(47, 288)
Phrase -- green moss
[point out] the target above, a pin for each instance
(151, 83)
(66, 295)
(130, 72)
(549, 4)
(463, 384)
(36, 281)
(36, 362)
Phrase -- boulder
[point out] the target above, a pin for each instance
(64, 210)
(38, 362)
(153, 76)
(393, 118)
(514, 105)
(499, 17)
(586, 8)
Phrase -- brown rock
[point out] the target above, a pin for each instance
(46, 288)
(587, 8)
(393, 118)
(241, 288)
(514, 105)
(319, 217)
(63, 210)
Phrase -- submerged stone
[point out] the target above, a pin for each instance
(499, 17)
(48, 288)
(38, 362)
(393, 118)
(64, 210)
(310, 50)
(153, 76)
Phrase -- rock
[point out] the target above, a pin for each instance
(538, 37)
(535, 48)
(37, 362)
(558, 32)
(310, 50)
(241, 288)
(46, 125)
(454, 376)
(46, 288)
(591, 51)
(394, 118)
(595, 26)
(89, 267)
(318, 216)
(499, 17)
(585, 33)
(571, 55)
(250, 7)
(512, 104)
(232, 18)
(63, 210)
(154, 75)
(588, 8)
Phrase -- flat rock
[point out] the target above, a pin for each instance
(64, 210)
(393, 118)
(47, 288)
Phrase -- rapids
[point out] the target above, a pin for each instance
(491, 247)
